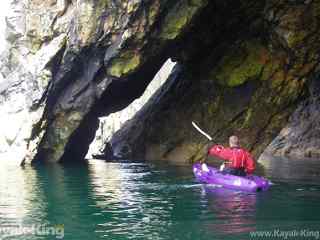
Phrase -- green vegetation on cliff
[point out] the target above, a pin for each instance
(243, 62)
(180, 17)
(124, 64)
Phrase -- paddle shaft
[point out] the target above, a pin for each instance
(201, 131)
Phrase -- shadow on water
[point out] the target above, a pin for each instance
(291, 170)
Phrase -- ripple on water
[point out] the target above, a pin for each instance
(151, 201)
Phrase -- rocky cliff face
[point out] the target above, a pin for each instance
(85, 59)
(115, 121)
(243, 68)
(253, 73)
(301, 136)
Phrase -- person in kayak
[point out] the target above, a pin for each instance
(238, 161)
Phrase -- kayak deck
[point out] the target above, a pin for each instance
(211, 175)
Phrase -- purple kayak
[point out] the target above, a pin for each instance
(211, 175)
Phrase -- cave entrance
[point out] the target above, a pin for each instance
(112, 123)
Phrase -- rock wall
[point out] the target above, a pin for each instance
(247, 84)
(301, 136)
(83, 60)
(244, 66)
(25, 76)
(115, 121)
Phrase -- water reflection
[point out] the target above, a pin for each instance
(19, 194)
(126, 200)
(12, 206)
(147, 201)
(66, 190)
(21, 198)
(234, 212)
(291, 169)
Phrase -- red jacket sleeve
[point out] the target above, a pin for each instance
(250, 164)
(220, 151)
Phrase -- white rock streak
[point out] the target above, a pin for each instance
(112, 123)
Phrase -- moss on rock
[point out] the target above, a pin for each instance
(125, 64)
(64, 125)
(179, 17)
(242, 63)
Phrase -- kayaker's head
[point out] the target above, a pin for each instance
(234, 141)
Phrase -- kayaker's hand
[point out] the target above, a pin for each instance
(219, 147)
(222, 167)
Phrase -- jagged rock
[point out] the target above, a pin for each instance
(26, 75)
(109, 47)
(248, 84)
(113, 122)
(301, 137)
(243, 68)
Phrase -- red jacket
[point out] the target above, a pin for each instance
(238, 157)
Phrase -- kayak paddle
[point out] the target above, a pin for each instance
(201, 131)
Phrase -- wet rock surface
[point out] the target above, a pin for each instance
(243, 68)
(248, 84)
(108, 53)
(301, 137)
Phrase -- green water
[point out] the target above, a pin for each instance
(154, 201)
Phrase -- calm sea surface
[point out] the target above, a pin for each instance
(139, 200)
